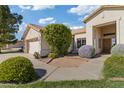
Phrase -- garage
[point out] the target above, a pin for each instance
(34, 47)
(33, 41)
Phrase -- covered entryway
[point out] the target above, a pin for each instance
(106, 45)
(104, 37)
(34, 47)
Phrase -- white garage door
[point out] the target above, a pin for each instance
(34, 47)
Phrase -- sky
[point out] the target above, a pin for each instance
(69, 15)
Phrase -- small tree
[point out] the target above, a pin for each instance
(58, 37)
(9, 25)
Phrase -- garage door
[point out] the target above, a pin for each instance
(34, 47)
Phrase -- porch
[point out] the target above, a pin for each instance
(104, 37)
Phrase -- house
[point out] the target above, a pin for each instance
(18, 44)
(79, 39)
(105, 28)
(33, 40)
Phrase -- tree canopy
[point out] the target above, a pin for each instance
(9, 25)
(58, 37)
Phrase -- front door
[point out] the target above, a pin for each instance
(106, 45)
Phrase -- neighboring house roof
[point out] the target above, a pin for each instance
(35, 27)
(102, 8)
(38, 28)
(78, 31)
(18, 44)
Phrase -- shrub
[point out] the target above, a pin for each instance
(118, 49)
(36, 55)
(17, 70)
(114, 66)
(86, 51)
(52, 55)
(58, 37)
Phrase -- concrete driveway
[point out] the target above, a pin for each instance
(88, 71)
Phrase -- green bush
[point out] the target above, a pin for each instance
(52, 55)
(58, 37)
(37, 55)
(118, 49)
(114, 66)
(17, 70)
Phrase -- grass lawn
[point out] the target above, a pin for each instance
(69, 84)
(114, 67)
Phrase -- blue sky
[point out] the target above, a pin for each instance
(70, 15)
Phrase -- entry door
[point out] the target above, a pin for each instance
(107, 45)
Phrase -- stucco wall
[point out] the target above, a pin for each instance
(32, 34)
(44, 50)
(104, 17)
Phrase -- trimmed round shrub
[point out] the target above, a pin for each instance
(118, 49)
(58, 37)
(86, 51)
(52, 55)
(17, 70)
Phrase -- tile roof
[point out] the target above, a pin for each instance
(78, 31)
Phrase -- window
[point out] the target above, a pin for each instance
(81, 42)
(113, 41)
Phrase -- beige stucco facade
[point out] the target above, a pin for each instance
(109, 20)
(32, 34)
(34, 42)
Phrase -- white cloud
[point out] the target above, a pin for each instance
(47, 20)
(26, 7)
(76, 27)
(36, 7)
(82, 9)
(42, 7)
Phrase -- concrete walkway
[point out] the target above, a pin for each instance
(92, 70)
(88, 71)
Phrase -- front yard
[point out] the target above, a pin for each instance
(84, 75)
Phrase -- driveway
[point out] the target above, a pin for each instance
(88, 70)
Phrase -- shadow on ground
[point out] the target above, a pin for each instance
(41, 72)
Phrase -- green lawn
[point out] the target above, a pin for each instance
(114, 67)
(69, 84)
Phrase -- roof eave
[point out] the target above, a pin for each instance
(100, 9)
(92, 14)
(27, 28)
